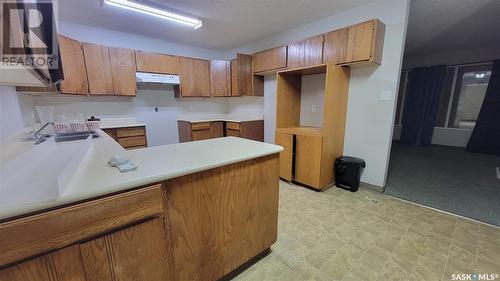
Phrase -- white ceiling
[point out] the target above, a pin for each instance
(448, 25)
(226, 23)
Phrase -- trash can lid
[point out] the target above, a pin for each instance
(352, 160)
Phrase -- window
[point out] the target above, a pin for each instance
(469, 99)
(462, 95)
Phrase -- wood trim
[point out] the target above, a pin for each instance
(62, 227)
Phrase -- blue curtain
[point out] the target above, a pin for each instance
(485, 137)
(421, 104)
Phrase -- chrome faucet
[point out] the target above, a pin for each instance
(37, 136)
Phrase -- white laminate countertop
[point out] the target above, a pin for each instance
(227, 118)
(126, 122)
(95, 178)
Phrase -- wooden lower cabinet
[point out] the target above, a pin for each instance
(286, 156)
(302, 158)
(308, 159)
(196, 227)
(216, 227)
(130, 137)
(193, 131)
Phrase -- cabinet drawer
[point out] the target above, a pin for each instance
(200, 126)
(233, 126)
(130, 132)
(132, 142)
(37, 234)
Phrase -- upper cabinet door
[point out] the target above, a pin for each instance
(157, 63)
(242, 78)
(365, 42)
(269, 60)
(334, 50)
(73, 62)
(123, 71)
(220, 78)
(195, 77)
(98, 69)
(308, 52)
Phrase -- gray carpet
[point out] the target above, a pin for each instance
(448, 179)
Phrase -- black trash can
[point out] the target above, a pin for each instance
(348, 172)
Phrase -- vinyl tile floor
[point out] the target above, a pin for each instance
(340, 235)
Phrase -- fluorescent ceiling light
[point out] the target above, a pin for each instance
(137, 7)
(480, 75)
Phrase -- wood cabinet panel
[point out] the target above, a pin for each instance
(233, 125)
(252, 130)
(130, 132)
(335, 46)
(271, 59)
(242, 83)
(36, 269)
(140, 252)
(200, 126)
(98, 67)
(286, 156)
(68, 264)
(157, 63)
(308, 159)
(226, 224)
(233, 133)
(308, 52)
(360, 40)
(204, 134)
(73, 63)
(216, 129)
(96, 260)
(235, 88)
(220, 78)
(123, 71)
(195, 77)
(62, 227)
(132, 142)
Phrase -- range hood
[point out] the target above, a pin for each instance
(155, 78)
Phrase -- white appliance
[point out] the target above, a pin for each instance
(144, 77)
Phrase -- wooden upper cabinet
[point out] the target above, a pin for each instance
(365, 42)
(308, 52)
(242, 79)
(98, 67)
(73, 62)
(334, 49)
(123, 71)
(220, 78)
(195, 78)
(269, 60)
(235, 87)
(157, 63)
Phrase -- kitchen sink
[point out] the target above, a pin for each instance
(61, 137)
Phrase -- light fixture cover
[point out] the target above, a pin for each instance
(152, 11)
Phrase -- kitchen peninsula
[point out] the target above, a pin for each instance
(191, 211)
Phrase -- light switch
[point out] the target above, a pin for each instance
(313, 108)
(385, 95)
